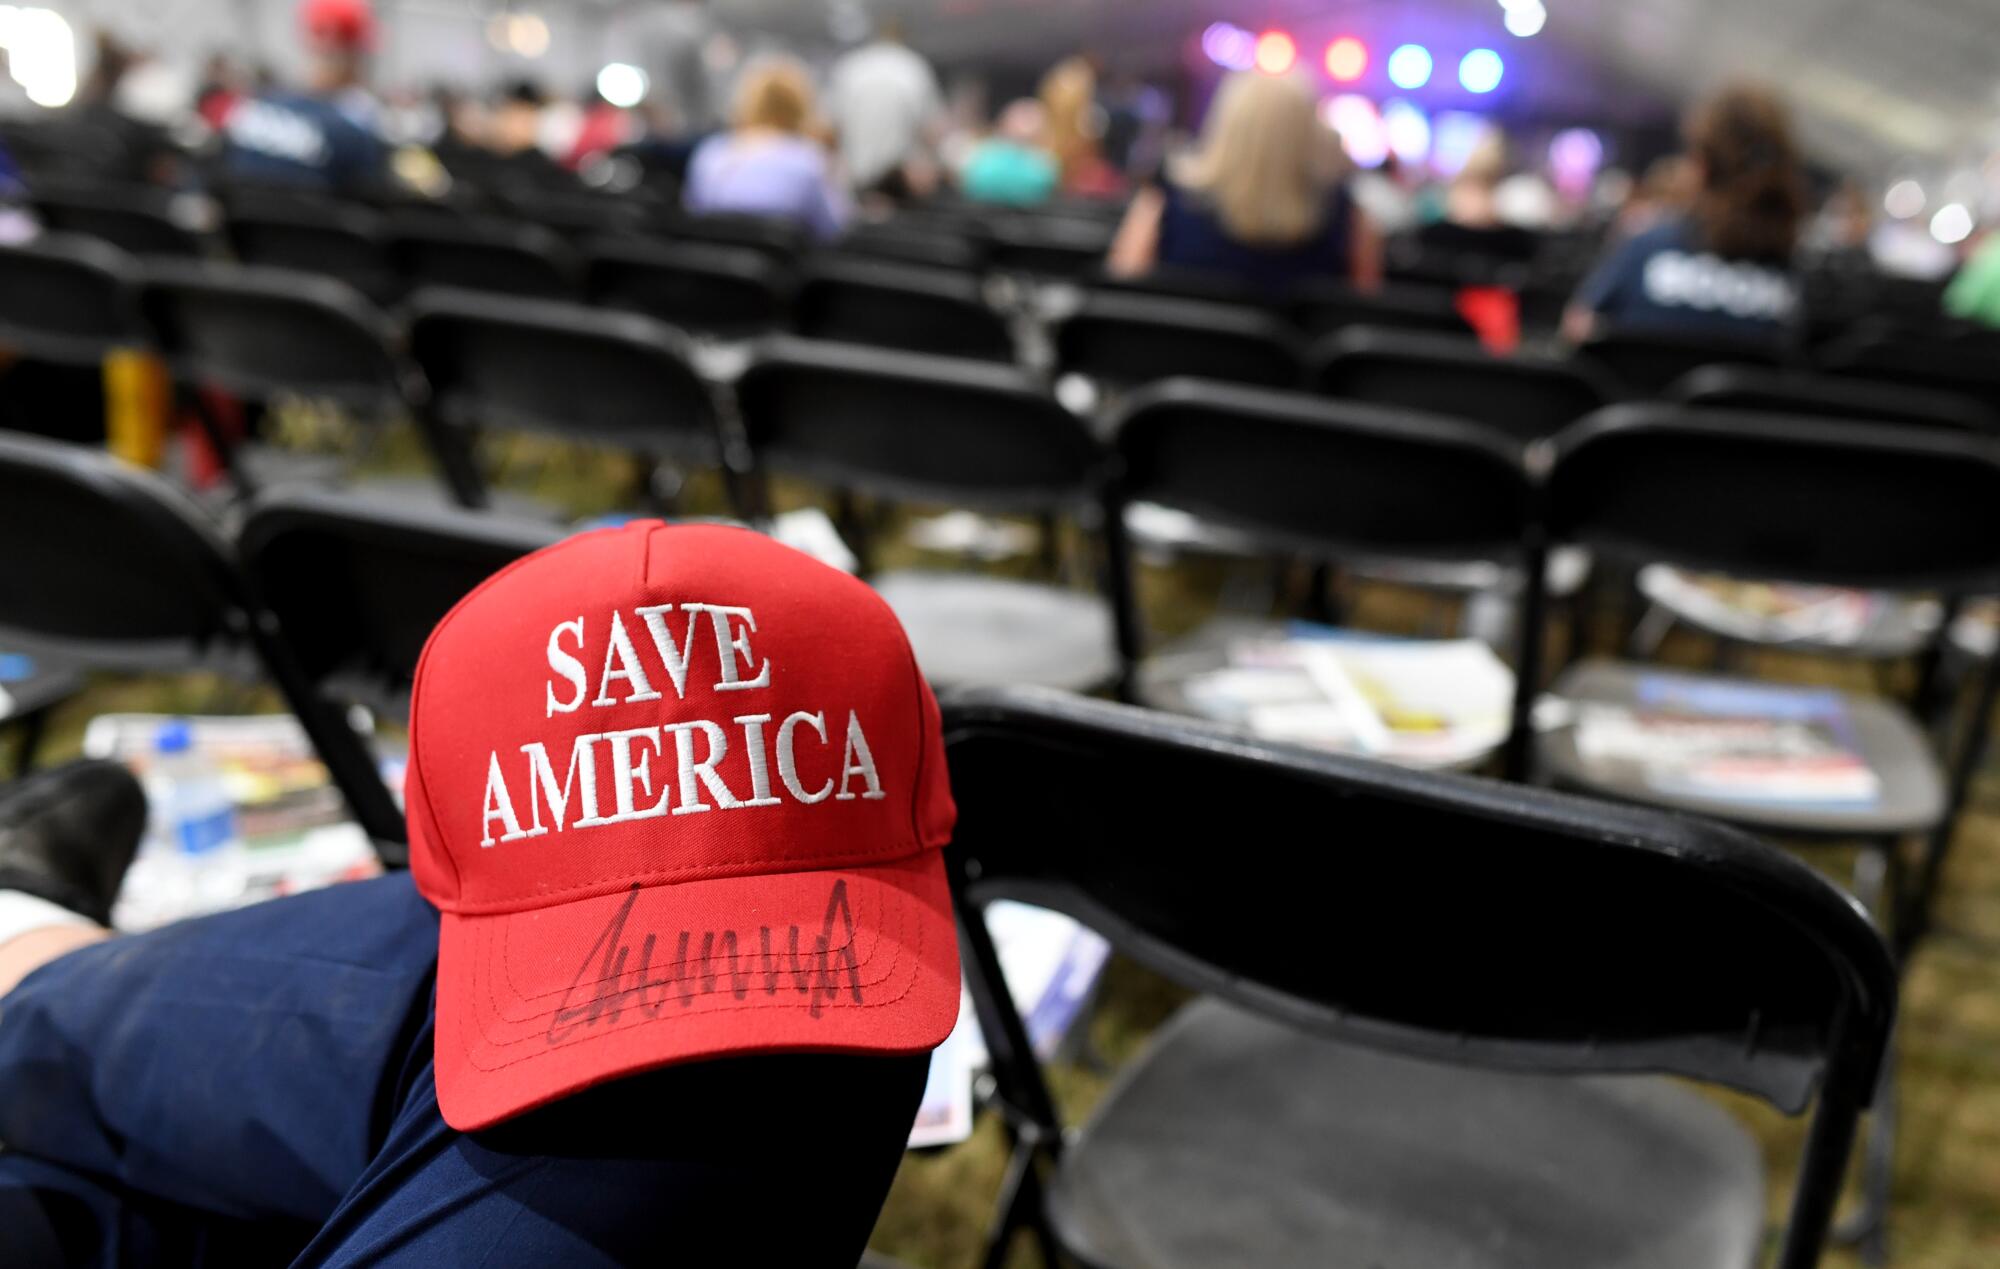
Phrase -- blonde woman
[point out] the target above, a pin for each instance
(1260, 200)
(768, 163)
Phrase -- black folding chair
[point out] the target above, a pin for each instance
(1644, 362)
(340, 241)
(1967, 366)
(1439, 1037)
(259, 333)
(1804, 394)
(483, 255)
(1323, 480)
(1124, 340)
(948, 432)
(112, 569)
(1524, 395)
(1320, 308)
(564, 371)
(68, 300)
(354, 587)
(912, 240)
(727, 292)
(137, 219)
(780, 241)
(1046, 245)
(1889, 508)
(1873, 507)
(899, 306)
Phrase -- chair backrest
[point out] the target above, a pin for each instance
(257, 332)
(905, 425)
(1526, 396)
(1757, 390)
(1323, 477)
(781, 241)
(1644, 362)
(1792, 499)
(356, 585)
(1320, 308)
(704, 287)
(68, 300)
(483, 255)
(898, 306)
(117, 570)
(1126, 339)
(576, 214)
(1047, 245)
(1970, 367)
(911, 240)
(339, 241)
(137, 220)
(108, 565)
(561, 369)
(1458, 920)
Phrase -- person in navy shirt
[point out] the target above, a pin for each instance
(1724, 269)
(324, 138)
(1259, 204)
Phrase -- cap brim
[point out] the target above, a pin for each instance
(535, 1005)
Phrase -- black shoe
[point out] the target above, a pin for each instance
(68, 834)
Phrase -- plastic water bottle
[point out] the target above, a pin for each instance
(198, 816)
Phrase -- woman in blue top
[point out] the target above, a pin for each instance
(766, 164)
(1260, 202)
(1724, 269)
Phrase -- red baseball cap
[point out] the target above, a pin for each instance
(679, 793)
(340, 24)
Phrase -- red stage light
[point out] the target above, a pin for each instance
(1276, 52)
(1346, 58)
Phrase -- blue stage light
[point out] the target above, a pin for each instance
(1480, 70)
(1410, 66)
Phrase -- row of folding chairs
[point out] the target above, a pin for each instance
(1559, 950)
(730, 277)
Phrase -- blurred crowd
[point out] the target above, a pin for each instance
(1262, 193)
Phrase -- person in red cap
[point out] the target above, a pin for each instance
(326, 137)
(658, 987)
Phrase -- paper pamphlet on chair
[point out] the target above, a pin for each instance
(1423, 702)
(1733, 742)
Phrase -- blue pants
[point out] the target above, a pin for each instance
(255, 1088)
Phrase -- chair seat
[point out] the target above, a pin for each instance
(1167, 680)
(29, 685)
(1869, 625)
(1238, 1141)
(1911, 788)
(968, 629)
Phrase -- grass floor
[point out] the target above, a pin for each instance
(1947, 1189)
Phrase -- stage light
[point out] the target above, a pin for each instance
(1480, 70)
(1276, 52)
(1359, 126)
(1346, 58)
(1410, 66)
(1525, 20)
(1952, 224)
(622, 84)
(1230, 47)
(1904, 199)
(1408, 129)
